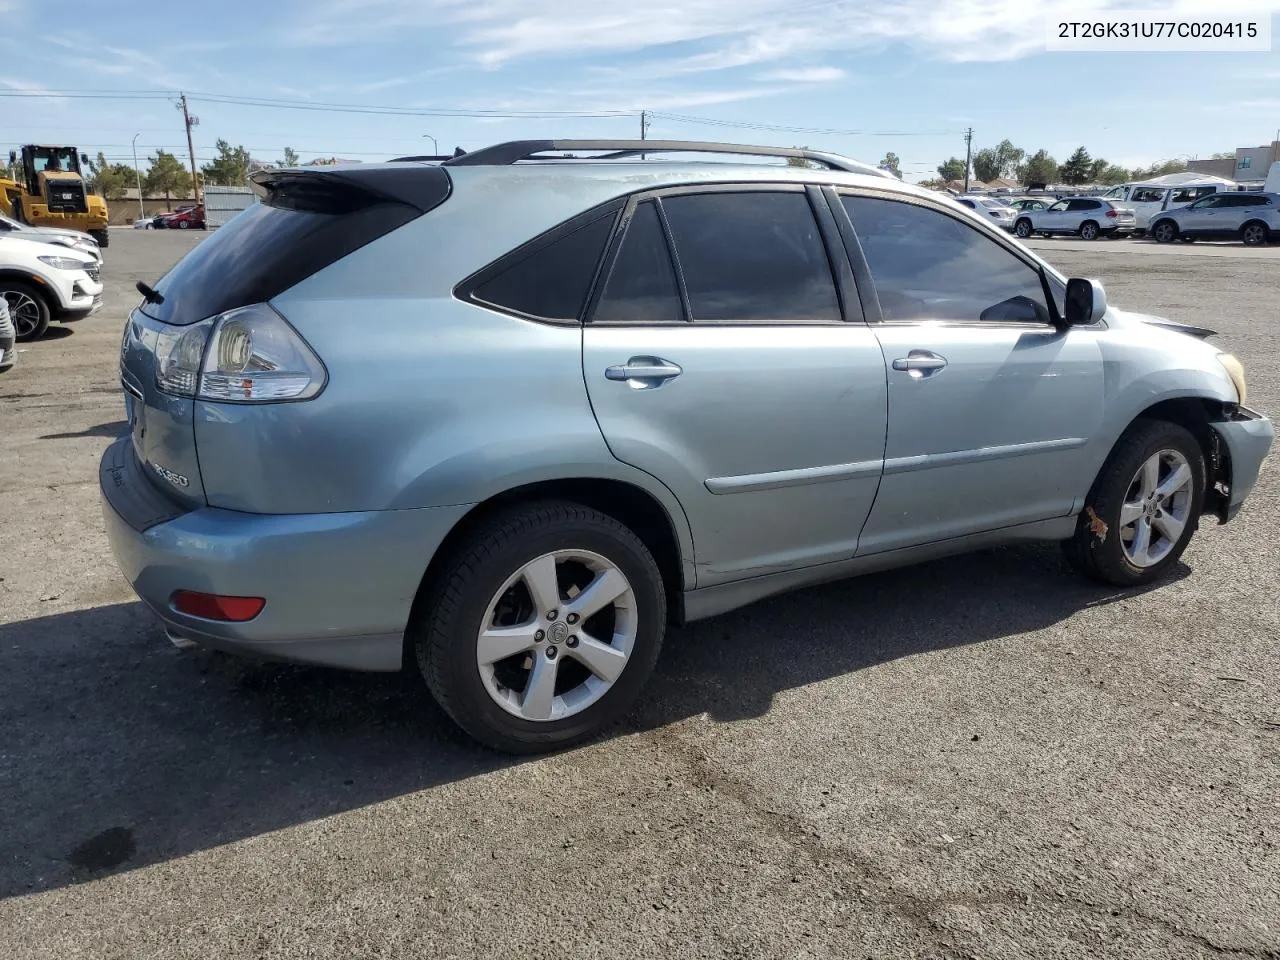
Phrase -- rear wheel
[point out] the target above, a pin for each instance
(544, 627)
(102, 236)
(184, 225)
(1143, 508)
(1254, 234)
(1089, 230)
(1023, 228)
(29, 311)
(1166, 231)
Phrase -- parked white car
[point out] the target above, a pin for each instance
(1149, 198)
(1253, 218)
(1001, 214)
(1086, 217)
(42, 282)
(75, 239)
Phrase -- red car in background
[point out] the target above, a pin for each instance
(185, 218)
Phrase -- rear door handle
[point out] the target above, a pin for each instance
(644, 371)
(920, 363)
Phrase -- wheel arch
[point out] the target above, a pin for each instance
(1259, 221)
(630, 504)
(47, 292)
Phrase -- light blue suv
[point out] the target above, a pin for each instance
(505, 418)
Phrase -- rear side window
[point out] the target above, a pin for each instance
(548, 280)
(929, 266)
(1244, 200)
(642, 284)
(1083, 205)
(754, 257)
(1147, 195)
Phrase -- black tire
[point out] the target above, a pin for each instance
(444, 634)
(184, 225)
(1089, 231)
(1255, 234)
(1095, 549)
(1164, 231)
(1023, 228)
(29, 326)
(103, 237)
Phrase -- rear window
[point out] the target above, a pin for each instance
(300, 229)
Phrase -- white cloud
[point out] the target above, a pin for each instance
(805, 75)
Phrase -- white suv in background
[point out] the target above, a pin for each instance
(1087, 217)
(1253, 218)
(42, 282)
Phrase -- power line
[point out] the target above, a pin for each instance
(785, 128)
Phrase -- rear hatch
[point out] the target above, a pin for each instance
(305, 220)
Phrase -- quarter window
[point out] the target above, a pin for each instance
(752, 257)
(642, 285)
(929, 266)
(551, 281)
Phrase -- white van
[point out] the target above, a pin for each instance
(1153, 196)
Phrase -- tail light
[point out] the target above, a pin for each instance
(247, 355)
(1112, 213)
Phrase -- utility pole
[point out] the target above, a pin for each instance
(644, 127)
(968, 156)
(138, 175)
(190, 122)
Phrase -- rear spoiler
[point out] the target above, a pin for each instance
(346, 189)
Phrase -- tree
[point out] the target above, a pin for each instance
(167, 175)
(986, 165)
(110, 180)
(953, 169)
(892, 164)
(1077, 168)
(290, 157)
(1159, 169)
(1007, 158)
(1039, 168)
(230, 169)
(1224, 156)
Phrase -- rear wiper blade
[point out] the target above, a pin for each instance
(149, 293)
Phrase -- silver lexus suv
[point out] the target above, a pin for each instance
(503, 419)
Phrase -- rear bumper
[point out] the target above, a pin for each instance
(1247, 438)
(338, 586)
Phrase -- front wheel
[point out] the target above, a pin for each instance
(1254, 234)
(1143, 508)
(103, 237)
(543, 628)
(183, 225)
(1088, 230)
(1023, 229)
(27, 309)
(1166, 231)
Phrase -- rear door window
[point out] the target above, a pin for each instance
(550, 279)
(752, 257)
(642, 284)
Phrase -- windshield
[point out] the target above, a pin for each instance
(55, 159)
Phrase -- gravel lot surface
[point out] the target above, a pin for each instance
(981, 757)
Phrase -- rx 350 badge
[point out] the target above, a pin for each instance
(177, 479)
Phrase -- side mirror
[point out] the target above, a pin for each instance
(1086, 302)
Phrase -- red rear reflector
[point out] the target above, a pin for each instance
(213, 607)
(1112, 213)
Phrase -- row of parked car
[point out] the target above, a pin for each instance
(1252, 218)
(47, 274)
(189, 216)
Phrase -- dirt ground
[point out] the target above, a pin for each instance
(984, 757)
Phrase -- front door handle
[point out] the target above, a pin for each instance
(643, 372)
(920, 363)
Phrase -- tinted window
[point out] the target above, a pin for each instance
(1190, 194)
(1084, 205)
(552, 281)
(928, 266)
(752, 256)
(1147, 195)
(642, 285)
(1243, 200)
(1059, 206)
(1210, 202)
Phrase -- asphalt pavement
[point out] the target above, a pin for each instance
(982, 757)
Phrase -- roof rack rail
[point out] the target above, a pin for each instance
(503, 154)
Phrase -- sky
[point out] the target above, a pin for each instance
(858, 77)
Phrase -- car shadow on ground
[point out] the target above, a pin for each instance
(120, 751)
(117, 429)
(56, 332)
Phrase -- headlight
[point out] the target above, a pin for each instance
(1236, 372)
(62, 263)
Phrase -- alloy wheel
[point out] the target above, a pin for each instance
(1023, 229)
(24, 311)
(1156, 508)
(557, 635)
(1255, 234)
(1089, 232)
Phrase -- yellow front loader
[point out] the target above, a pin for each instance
(48, 189)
